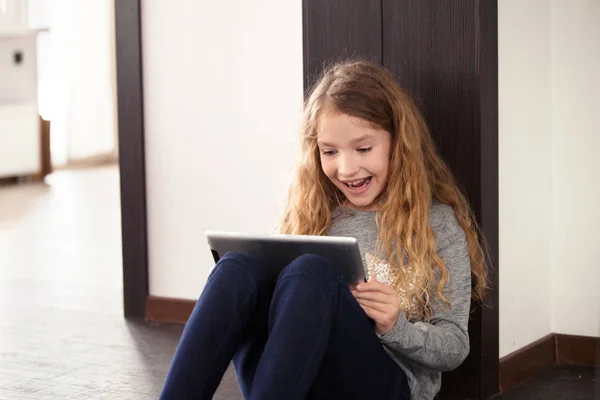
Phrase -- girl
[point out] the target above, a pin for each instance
(369, 170)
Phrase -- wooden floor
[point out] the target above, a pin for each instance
(62, 334)
(558, 383)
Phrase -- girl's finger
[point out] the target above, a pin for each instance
(381, 307)
(374, 286)
(375, 296)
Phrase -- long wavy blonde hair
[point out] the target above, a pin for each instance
(417, 174)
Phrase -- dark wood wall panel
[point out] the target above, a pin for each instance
(444, 53)
(131, 156)
(336, 29)
(430, 47)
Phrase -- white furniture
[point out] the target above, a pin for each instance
(19, 117)
(20, 136)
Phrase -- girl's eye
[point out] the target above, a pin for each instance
(328, 152)
(365, 149)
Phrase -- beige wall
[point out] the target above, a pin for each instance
(549, 58)
(525, 166)
(576, 194)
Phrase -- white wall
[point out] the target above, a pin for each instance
(222, 97)
(549, 136)
(576, 195)
(13, 14)
(77, 76)
(525, 164)
(84, 30)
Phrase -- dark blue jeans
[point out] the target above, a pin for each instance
(299, 335)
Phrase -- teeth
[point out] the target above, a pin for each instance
(358, 184)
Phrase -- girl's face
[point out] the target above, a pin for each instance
(355, 157)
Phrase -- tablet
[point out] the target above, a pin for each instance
(277, 251)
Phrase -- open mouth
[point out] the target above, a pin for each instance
(358, 184)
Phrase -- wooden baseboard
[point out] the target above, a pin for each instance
(45, 153)
(526, 362)
(583, 351)
(93, 161)
(164, 309)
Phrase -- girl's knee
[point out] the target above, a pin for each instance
(240, 258)
(241, 263)
(311, 266)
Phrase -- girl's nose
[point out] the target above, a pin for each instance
(347, 167)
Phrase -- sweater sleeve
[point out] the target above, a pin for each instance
(443, 343)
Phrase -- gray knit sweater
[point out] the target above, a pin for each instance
(423, 350)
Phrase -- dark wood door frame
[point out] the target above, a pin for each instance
(130, 99)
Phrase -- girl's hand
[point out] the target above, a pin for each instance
(380, 303)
